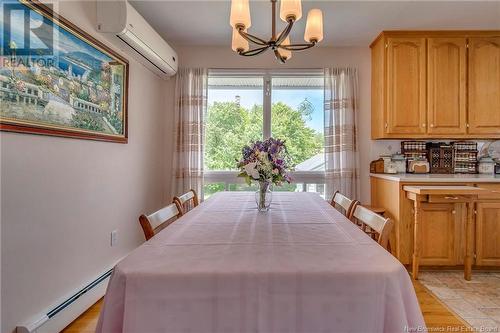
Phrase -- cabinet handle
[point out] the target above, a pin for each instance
(453, 211)
(451, 198)
(423, 125)
(432, 125)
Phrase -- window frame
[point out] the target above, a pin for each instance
(228, 177)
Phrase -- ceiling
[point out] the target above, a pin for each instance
(346, 23)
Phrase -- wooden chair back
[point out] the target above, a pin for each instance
(379, 226)
(155, 222)
(186, 202)
(343, 204)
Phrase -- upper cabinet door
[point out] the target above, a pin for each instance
(484, 85)
(446, 85)
(406, 86)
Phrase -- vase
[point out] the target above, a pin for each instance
(264, 196)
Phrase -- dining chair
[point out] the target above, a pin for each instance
(343, 204)
(186, 202)
(153, 223)
(379, 226)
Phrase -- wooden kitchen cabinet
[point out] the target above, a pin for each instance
(446, 85)
(440, 234)
(436, 84)
(484, 85)
(488, 234)
(443, 234)
(406, 111)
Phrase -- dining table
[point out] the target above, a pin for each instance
(224, 266)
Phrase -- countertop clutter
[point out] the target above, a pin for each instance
(458, 157)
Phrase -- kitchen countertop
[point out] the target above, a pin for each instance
(441, 178)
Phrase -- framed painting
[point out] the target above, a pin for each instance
(56, 79)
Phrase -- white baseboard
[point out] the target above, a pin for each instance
(74, 310)
(61, 315)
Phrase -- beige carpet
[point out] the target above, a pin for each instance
(476, 301)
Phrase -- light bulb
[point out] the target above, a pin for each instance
(240, 14)
(290, 8)
(286, 54)
(314, 26)
(239, 44)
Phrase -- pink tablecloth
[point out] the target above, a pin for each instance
(224, 267)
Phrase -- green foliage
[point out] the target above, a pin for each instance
(83, 94)
(229, 127)
(210, 189)
(115, 120)
(87, 121)
(290, 125)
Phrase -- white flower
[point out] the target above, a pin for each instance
(251, 170)
(263, 156)
(275, 171)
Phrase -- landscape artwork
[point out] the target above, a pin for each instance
(55, 79)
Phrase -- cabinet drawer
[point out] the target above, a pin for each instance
(493, 191)
(448, 199)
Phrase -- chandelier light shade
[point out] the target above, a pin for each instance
(280, 44)
(239, 44)
(240, 14)
(286, 54)
(290, 9)
(314, 26)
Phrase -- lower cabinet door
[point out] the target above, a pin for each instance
(440, 233)
(488, 234)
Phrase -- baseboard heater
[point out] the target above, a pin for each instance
(33, 326)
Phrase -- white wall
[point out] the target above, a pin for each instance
(62, 197)
(321, 57)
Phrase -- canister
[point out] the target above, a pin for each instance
(400, 161)
(486, 165)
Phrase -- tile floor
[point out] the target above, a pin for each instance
(476, 301)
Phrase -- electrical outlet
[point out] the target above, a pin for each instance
(114, 237)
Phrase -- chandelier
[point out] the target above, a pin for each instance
(290, 12)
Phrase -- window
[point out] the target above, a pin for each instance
(234, 118)
(297, 115)
(249, 106)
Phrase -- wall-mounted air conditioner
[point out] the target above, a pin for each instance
(119, 18)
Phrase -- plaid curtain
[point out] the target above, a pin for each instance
(341, 155)
(190, 110)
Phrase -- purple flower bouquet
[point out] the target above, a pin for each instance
(265, 163)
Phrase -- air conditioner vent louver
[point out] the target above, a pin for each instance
(140, 54)
(121, 20)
